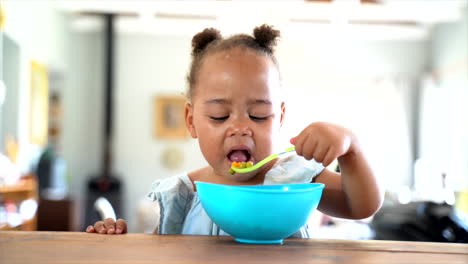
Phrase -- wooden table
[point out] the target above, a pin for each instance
(71, 247)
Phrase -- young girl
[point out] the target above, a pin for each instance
(235, 110)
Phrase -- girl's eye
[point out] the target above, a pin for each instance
(258, 118)
(219, 118)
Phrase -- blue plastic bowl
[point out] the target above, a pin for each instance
(259, 213)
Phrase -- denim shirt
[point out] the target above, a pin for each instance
(181, 211)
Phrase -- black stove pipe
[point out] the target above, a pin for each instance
(109, 84)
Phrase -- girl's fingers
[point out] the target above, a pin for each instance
(293, 140)
(109, 224)
(99, 227)
(319, 152)
(121, 226)
(308, 147)
(90, 229)
(330, 156)
(299, 143)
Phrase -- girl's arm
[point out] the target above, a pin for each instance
(354, 193)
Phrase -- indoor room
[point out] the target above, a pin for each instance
(93, 106)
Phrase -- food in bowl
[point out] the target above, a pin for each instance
(259, 213)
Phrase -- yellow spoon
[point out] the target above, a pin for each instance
(262, 162)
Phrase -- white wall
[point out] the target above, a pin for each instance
(38, 28)
(83, 115)
(449, 53)
(10, 75)
(41, 34)
(367, 86)
(444, 109)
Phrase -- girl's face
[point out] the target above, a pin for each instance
(236, 110)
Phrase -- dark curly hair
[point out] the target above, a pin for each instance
(210, 41)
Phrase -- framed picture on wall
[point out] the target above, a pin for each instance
(39, 104)
(169, 119)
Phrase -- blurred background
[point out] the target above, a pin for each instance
(91, 95)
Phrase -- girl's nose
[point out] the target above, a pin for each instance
(239, 128)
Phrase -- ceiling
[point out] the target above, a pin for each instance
(369, 19)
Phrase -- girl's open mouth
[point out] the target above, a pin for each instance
(239, 155)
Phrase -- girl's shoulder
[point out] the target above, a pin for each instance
(293, 169)
(175, 184)
(174, 196)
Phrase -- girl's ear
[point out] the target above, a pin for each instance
(189, 120)
(283, 112)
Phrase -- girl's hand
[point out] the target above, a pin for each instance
(108, 226)
(323, 142)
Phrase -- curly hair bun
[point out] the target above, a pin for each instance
(267, 37)
(202, 39)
